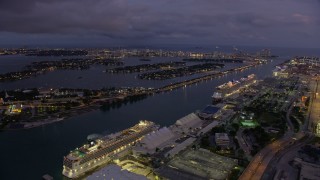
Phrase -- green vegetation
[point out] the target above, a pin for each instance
(297, 117)
(307, 102)
(235, 173)
(274, 120)
(261, 138)
(299, 114)
(21, 95)
(205, 143)
(250, 124)
(235, 126)
(311, 151)
(295, 123)
(218, 129)
(315, 140)
(117, 103)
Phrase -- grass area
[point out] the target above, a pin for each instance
(251, 124)
(315, 140)
(270, 118)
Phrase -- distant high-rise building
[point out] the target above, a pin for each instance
(264, 53)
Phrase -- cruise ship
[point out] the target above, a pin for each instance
(102, 150)
(230, 87)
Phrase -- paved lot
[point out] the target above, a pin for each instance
(203, 164)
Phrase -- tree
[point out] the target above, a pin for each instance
(232, 133)
(194, 146)
(240, 153)
(205, 142)
(218, 129)
(235, 126)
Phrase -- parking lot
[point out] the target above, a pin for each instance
(203, 164)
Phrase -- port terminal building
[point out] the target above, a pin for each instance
(177, 137)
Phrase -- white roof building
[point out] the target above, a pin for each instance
(190, 120)
(155, 139)
(208, 127)
(180, 147)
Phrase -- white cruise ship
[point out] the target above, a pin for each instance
(230, 87)
(102, 150)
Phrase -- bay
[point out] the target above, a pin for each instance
(38, 151)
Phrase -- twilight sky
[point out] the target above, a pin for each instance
(284, 23)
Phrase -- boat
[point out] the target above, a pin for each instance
(102, 150)
(60, 119)
(231, 87)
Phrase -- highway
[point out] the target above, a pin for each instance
(314, 112)
(259, 163)
(261, 160)
(279, 163)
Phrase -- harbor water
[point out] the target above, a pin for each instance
(31, 153)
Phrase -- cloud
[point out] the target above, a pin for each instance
(302, 18)
(209, 21)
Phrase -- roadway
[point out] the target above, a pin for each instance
(242, 143)
(203, 78)
(314, 112)
(279, 163)
(159, 90)
(261, 160)
(256, 168)
(96, 102)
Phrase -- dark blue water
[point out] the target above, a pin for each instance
(93, 78)
(28, 154)
(18, 62)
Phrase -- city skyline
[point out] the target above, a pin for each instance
(151, 23)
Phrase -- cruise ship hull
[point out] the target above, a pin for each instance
(103, 150)
(79, 172)
(216, 101)
(229, 88)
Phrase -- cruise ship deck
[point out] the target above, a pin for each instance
(102, 150)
